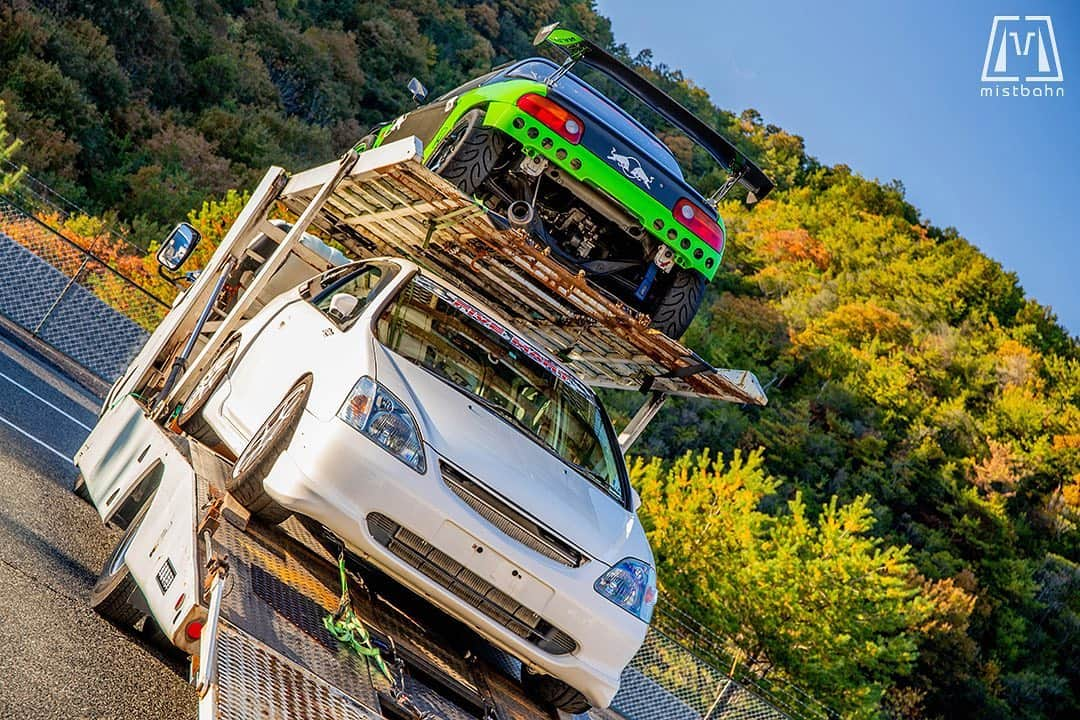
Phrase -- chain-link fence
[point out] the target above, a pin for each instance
(68, 297)
(685, 671)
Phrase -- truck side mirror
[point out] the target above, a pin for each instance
(181, 242)
(635, 499)
(417, 90)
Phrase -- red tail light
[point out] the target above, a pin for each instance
(193, 630)
(698, 222)
(555, 116)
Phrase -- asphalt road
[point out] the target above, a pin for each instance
(59, 659)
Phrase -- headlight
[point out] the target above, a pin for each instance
(371, 409)
(630, 584)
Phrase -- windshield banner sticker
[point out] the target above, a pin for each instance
(516, 341)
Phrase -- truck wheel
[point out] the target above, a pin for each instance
(553, 692)
(676, 308)
(112, 593)
(190, 418)
(245, 482)
(468, 153)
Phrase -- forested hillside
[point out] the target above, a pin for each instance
(896, 532)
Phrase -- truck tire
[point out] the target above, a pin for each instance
(245, 482)
(679, 304)
(553, 692)
(190, 419)
(468, 153)
(111, 594)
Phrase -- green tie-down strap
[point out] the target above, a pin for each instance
(344, 625)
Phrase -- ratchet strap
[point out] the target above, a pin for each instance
(344, 625)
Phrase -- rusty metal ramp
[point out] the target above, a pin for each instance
(390, 204)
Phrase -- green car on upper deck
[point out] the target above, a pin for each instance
(545, 151)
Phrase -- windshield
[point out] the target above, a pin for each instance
(435, 329)
(611, 114)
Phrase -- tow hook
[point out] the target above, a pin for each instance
(662, 261)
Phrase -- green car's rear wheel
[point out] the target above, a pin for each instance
(676, 307)
(467, 155)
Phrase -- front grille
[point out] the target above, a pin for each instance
(469, 586)
(508, 519)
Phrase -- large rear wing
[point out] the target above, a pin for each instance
(388, 203)
(742, 169)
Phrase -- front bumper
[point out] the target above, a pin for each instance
(341, 479)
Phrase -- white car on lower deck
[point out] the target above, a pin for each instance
(451, 452)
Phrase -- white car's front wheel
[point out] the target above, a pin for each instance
(245, 482)
(553, 692)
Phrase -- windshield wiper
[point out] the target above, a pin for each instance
(507, 414)
(594, 477)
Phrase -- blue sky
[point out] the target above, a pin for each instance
(892, 90)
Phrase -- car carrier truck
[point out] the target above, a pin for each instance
(361, 468)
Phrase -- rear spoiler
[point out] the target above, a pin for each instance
(743, 171)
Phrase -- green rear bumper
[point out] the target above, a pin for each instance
(581, 164)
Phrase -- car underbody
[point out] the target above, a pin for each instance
(583, 226)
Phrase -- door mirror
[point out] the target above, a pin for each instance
(342, 306)
(417, 90)
(181, 242)
(635, 499)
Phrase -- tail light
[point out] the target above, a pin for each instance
(553, 115)
(193, 630)
(698, 222)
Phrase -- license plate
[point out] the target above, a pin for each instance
(489, 564)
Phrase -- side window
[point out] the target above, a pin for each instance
(343, 296)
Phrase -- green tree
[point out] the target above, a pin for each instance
(821, 600)
(9, 173)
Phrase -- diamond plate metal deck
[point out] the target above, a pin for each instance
(254, 681)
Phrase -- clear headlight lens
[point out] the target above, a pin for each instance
(630, 584)
(371, 409)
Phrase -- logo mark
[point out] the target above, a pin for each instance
(1022, 47)
(631, 168)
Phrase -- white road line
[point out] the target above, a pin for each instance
(28, 391)
(45, 445)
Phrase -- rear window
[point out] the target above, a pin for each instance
(608, 112)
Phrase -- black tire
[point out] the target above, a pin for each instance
(79, 488)
(190, 419)
(677, 307)
(553, 692)
(468, 153)
(112, 593)
(245, 482)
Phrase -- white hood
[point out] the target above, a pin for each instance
(503, 458)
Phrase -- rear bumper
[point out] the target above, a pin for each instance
(582, 164)
(336, 476)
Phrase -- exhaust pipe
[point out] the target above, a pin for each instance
(520, 213)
